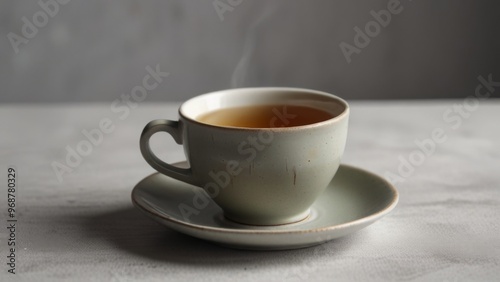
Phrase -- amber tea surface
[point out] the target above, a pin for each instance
(265, 116)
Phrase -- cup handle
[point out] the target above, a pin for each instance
(172, 128)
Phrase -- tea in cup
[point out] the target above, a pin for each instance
(264, 155)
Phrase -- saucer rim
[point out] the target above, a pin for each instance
(360, 221)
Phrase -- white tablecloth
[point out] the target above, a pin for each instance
(84, 227)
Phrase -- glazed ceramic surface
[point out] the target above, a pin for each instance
(257, 176)
(353, 200)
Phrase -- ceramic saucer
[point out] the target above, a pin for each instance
(354, 199)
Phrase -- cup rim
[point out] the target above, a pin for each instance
(332, 120)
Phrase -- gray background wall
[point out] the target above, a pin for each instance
(95, 50)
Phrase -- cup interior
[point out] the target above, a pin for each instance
(213, 101)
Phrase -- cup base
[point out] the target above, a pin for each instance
(268, 221)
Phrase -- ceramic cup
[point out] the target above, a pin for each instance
(267, 176)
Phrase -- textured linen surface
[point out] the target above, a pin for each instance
(445, 227)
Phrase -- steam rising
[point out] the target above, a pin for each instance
(240, 72)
